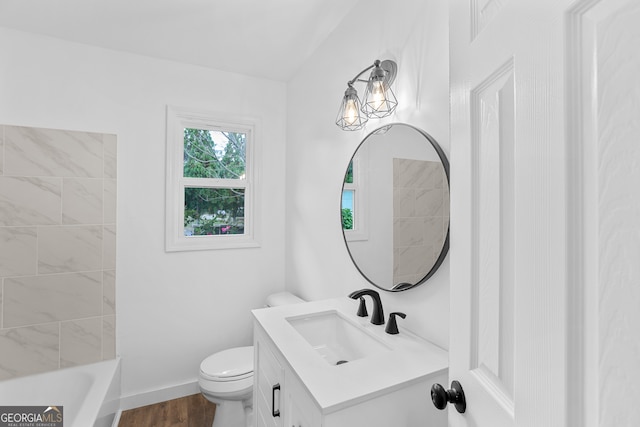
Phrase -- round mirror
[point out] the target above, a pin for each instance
(395, 207)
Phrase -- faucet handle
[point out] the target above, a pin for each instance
(378, 316)
(392, 326)
(362, 308)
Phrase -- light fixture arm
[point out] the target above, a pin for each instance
(387, 65)
(355, 79)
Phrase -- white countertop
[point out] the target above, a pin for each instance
(409, 359)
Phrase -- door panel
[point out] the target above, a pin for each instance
(482, 11)
(492, 116)
(545, 100)
(507, 344)
(618, 62)
(603, 128)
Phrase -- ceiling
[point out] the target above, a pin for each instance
(262, 38)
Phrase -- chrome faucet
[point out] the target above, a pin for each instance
(377, 318)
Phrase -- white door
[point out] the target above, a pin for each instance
(522, 109)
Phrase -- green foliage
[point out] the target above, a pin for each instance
(216, 226)
(347, 219)
(348, 176)
(203, 159)
(214, 210)
(190, 215)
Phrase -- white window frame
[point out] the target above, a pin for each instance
(177, 120)
(360, 199)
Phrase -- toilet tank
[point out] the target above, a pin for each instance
(282, 298)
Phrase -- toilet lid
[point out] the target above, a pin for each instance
(228, 365)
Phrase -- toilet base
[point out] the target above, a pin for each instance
(232, 413)
(248, 414)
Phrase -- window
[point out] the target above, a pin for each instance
(211, 187)
(354, 199)
(348, 192)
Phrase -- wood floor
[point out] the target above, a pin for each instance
(189, 411)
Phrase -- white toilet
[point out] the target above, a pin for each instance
(226, 377)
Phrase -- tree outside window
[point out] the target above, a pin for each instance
(218, 155)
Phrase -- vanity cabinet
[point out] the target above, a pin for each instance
(268, 387)
(279, 397)
(300, 409)
(291, 404)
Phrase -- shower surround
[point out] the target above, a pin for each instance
(57, 249)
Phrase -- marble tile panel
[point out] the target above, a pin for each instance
(396, 171)
(445, 181)
(29, 350)
(408, 232)
(414, 260)
(433, 230)
(109, 337)
(18, 251)
(435, 176)
(82, 201)
(109, 292)
(52, 152)
(445, 230)
(429, 202)
(110, 190)
(69, 248)
(110, 156)
(418, 173)
(49, 298)
(109, 247)
(1, 150)
(30, 201)
(80, 342)
(410, 173)
(404, 202)
(447, 200)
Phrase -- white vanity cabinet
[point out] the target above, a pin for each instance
(296, 388)
(300, 409)
(268, 387)
(279, 397)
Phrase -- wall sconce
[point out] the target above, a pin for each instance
(379, 99)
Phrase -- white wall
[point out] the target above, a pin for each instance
(173, 308)
(415, 34)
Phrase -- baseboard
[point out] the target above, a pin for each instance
(116, 419)
(157, 396)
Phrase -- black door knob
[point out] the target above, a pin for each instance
(440, 397)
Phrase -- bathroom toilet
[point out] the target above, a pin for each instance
(226, 377)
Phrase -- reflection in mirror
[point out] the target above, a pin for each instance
(395, 207)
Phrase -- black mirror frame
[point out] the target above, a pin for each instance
(445, 246)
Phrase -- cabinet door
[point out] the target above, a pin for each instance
(297, 417)
(269, 387)
(301, 410)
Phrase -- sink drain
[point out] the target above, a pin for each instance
(340, 362)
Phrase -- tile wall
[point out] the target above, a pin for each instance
(420, 217)
(57, 249)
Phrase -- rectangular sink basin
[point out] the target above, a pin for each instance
(334, 338)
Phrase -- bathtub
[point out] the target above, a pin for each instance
(90, 394)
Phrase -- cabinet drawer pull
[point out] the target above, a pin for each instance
(274, 413)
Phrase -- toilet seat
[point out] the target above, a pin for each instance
(233, 364)
(203, 375)
(228, 373)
